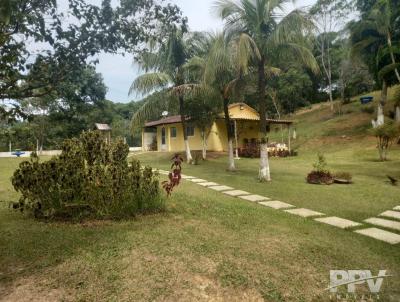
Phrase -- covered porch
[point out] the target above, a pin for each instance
(247, 141)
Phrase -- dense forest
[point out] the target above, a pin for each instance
(54, 92)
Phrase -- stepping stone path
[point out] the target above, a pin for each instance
(390, 224)
(187, 177)
(391, 214)
(304, 212)
(197, 180)
(207, 184)
(254, 198)
(379, 234)
(236, 193)
(338, 222)
(375, 233)
(221, 188)
(277, 205)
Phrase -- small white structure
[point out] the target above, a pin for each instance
(105, 129)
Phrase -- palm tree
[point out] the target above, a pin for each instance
(222, 77)
(373, 35)
(263, 31)
(165, 73)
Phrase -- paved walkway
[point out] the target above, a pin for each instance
(389, 219)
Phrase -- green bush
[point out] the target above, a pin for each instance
(320, 174)
(91, 178)
(368, 109)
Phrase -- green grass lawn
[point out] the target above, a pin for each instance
(370, 194)
(211, 247)
(204, 247)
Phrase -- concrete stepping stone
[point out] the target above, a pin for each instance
(304, 212)
(221, 188)
(379, 234)
(338, 222)
(187, 177)
(391, 214)
(197, 180)
(254, 198)
(236, 193)
(390, 224)
(275, 204)
(207, 184)
(397, 208)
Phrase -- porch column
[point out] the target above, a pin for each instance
(236, 140)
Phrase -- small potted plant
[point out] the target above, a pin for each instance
(320, 175)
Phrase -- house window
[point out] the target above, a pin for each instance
(190, 131)
(173, 132)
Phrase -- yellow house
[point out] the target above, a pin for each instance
(166, 134)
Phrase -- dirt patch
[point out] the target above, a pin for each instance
(167, 278)
(32, 289)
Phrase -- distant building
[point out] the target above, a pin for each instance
(105, 129)
(166, 134)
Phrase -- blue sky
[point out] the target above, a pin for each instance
(119, 72)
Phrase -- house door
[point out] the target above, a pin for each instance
(163, 139)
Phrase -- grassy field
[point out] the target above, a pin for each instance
(210, 247)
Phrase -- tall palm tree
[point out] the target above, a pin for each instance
(165, 73)
(375, 32)
(264, 31)
(222, 78)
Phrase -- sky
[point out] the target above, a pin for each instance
(118, 71)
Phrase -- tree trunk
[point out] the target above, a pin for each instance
(264, 172)
(204, 144)
(189, 158)
(384, 93)
(396, 71)
(231, 161)
(231, 164)
(397, 116)
(327, 70)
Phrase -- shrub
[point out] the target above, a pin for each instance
(320, 174)
(174, 177)
(368, 109)
(197, 157)
(91, 178)
(385, 135)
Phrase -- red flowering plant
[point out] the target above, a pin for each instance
(174, 177)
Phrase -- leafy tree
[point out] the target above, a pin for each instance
(68, 45)
(263, 34)
(166, 73)
(223, 77)
(385, 135)
(203, 113)
(372, 39)
(328, 14)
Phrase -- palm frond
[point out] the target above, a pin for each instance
(383, 52)
(246, 50)
(150, 82)
(301, 53)
(292, 28)
(271, 72)
(152, 108)
(225, 8)
(383, 72)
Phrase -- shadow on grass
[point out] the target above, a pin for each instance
(29, 247)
